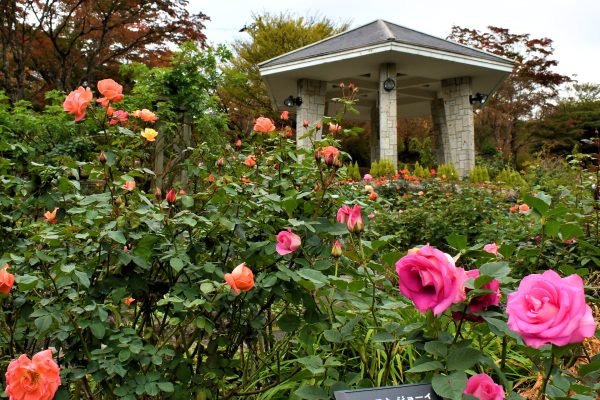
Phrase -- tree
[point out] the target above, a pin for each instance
(60, 44)
(530, 90)
(245, 96)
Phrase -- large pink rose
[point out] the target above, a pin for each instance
(287, 242)
(430, 279)
(549, 309)
(483, 387)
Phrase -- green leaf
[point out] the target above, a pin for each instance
(144, 247)
(459, 242)
(289, 322)
(124, 355)
(333, 336)
(83, 279)
(26, 282)
(463, 358)
(176, 263)
(166, 387)
(98, 329)
(436, 348)
(117, 236)
(538, 205)
(312, 363)
(426, 366)
(43, 323)
(568, 231)
(497, 270)
(383, 337)
(314, 276)
(451, 386)
(310, 392)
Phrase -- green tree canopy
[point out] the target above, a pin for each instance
(245, 95)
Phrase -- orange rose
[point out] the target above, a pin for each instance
(129, 300)
(77, 101)
(111, 90)
(37, 378)
(264, 125)
(523, 208)
(50, 216)
(241, 278)
(129, 185)
(250, 161)
(373, 196)
(7, 280)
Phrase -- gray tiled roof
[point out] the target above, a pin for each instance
(378, 32)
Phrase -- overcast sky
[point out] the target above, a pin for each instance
(574, 25)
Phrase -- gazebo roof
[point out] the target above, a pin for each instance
(356, 55)
(379, 32)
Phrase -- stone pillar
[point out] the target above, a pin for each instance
(388, 119)
(440, 130)
(459, 121)
(312, 110)
(374, 133)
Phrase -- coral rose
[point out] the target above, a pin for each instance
(287, 242)
(523, 208)
(549, 309)
(491, 248)
(330, 153)
(285, 115)
(334, 128)
(264, 125)
(129, 185)
(483, 387)
(7, 280)
(430, 279)
(77, 101)
(241, 278)
(111, 90)
(250, 161)
(129, 300)
(37, 378)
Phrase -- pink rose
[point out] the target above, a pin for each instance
(343, 214)
(367, 177)
(549, 309)
(355, 221)
(483, 387)
(491, 248)
(288, 242)
(430, 279)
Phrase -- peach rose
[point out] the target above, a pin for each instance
(77, 101)
(111, 90)
(145, 115)
(264, 125)
(241, 278)
(7, 280)
(37, 378)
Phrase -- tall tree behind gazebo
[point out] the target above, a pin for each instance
(531, 88)
(245, 95)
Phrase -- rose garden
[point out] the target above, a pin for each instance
(248, 268)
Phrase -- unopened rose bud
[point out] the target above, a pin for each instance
(102, 157)
(336, 249)
(118, 201)
(158, 194)
(337, 162)
(305, 124)
(220, 162)
(341, 85)
(181, 192)
(318, 155)
(171, 196)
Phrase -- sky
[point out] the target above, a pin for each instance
(572, 25)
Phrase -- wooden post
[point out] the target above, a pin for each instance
(159, 157)
(187, 142)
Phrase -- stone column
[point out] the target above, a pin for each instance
(312, 110)
(459, 121)
(374, 133)
(440, 129)
(388, 119)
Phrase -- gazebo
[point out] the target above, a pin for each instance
(400, 73)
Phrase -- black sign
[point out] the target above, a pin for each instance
(404, 392)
